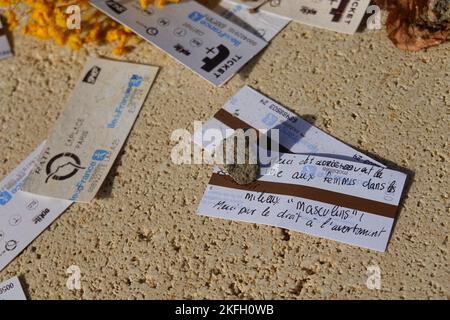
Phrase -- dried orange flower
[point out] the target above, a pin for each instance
(159, 3)
(11, 19)
(48, 20)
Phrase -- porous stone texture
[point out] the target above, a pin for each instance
(141, 237)
(238, 158)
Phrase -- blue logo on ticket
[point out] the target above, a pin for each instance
(91, 130)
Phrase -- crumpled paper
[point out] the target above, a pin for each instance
(417, 24)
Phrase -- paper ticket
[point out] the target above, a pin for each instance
(318, 185)
(337, 15)
(249, 108)
(262, 23)
(91, 130)
(5, 49)
(12, 290)
(23, 216)
(208, 44)
(346, 201)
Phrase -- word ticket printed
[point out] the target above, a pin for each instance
(5, 48)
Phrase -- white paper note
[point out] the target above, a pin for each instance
(5, 49)
(337, 15)
(323, 187)
(199, 38)
(12, 290)
(23, 216)
(346, 201)
(91, 130)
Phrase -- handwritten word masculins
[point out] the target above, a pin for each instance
(335, 211)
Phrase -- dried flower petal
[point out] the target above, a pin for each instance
(417, 24)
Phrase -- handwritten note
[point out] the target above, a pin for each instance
(263, 24)
(12, 290)
(320, 186)
(5, 49)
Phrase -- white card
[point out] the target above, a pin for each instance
(250, 109)
(91, 130)
(323, 188)
(23, 216)
(263, 24)
(5, 49)
(199, 38)
(337, 15)
(12, 290)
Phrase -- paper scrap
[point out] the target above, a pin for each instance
(337, 15)
(23, 216)
(91, 130)
(250, 109)
(199, 38)
(12, 290)
(5, 49)
(263, 24)
(318, 185)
